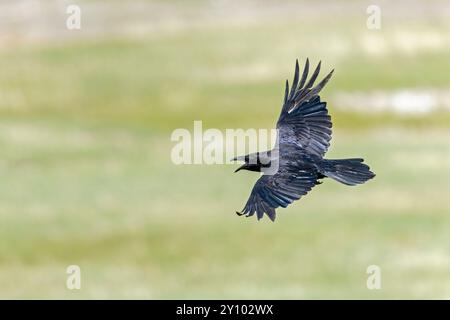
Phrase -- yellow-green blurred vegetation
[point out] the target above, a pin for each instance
(86, 176)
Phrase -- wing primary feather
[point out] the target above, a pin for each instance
(304, 75)
(314, 91)
(295, 81)
(323, 82)
(259, 209)
(286, 90)
(314, 76)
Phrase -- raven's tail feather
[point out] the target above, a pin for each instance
(347, 171)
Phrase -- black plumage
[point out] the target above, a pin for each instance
(296, 164)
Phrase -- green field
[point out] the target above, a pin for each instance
(87, 179)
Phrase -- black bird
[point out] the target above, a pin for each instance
(296, 164)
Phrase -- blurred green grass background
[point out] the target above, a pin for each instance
(85, 128)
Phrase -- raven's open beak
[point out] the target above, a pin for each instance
(240, 168)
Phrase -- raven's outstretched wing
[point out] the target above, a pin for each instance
(281, 189)
(304, 119)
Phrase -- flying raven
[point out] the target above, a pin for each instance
(304, 134)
